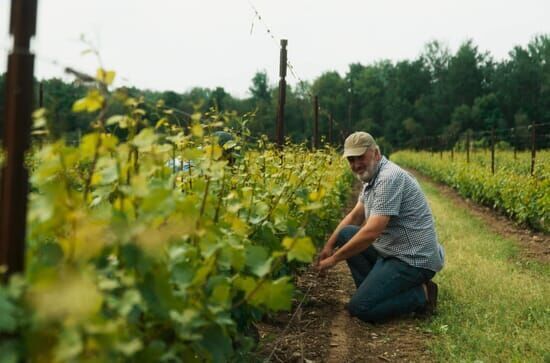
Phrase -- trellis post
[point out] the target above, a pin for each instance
(19, 98)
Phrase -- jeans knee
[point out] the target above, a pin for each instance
(345, 234)
(363, 310)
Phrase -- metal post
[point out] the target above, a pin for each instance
(533, 147)
(493, 150)
(282, 94)
(315, 122)
(19, 97)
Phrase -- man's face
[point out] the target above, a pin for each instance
(364, 166)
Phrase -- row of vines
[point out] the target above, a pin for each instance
(511, 190)
(150, 242)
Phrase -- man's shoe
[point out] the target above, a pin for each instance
(431, 304)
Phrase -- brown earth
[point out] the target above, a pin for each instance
(324, 332)
(319, 328)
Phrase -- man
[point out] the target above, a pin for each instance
(388, 239)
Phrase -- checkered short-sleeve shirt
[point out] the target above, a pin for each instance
(410, 234)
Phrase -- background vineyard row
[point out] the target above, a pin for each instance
(511, 190)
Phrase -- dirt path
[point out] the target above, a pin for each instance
(354, 341)
(324, 332)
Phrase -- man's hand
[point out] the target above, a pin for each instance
(325, 253)
(325, 264)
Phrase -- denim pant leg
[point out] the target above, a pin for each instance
(391, 288)
(361, 264)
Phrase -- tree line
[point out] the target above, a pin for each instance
(401, 103)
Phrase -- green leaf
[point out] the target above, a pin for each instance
(69, 346)
(9, 352)
(257, 258)
(8, 322)
(50, 254)
(121, 121)
(152, 352)
(245, 283)
(145, 139)
(275, 295)
(217, 343)
(105, 77)
(88, 145)
(91, 103)
(232, 257)
(130, 347)
(281, 294)
(158, 201)
(39, 118)
(301, 249)
(221, 294)
(182, 274)
(107, 171)
(162, 122)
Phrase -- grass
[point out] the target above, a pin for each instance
(492, 306)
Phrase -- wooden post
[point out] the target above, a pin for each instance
(19, 97)
(282, 94)
(452, 148)
(533, 147)
(41, 94)
(40, 105)
(493, 150)
(315, 122)
(330, 125)
(468, 146)
(515, 143)
(349, 131)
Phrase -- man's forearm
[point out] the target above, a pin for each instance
(346, 221)
(358, 243)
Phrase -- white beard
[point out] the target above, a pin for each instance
(367, 175)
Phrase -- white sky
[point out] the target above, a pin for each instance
(179, 44)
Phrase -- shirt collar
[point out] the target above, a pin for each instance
(371, 182)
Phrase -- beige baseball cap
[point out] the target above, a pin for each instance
(357, 143)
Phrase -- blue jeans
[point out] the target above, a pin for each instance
(386, 287)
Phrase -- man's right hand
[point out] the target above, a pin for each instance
(325, 253)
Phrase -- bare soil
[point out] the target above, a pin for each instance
(319, 329)
(324, 331)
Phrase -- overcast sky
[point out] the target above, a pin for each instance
(180, 44)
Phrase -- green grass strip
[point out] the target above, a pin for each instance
(491, 309)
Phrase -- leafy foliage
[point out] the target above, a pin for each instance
(511, 189)
(132, 257)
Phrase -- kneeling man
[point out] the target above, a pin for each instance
(388, 239)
